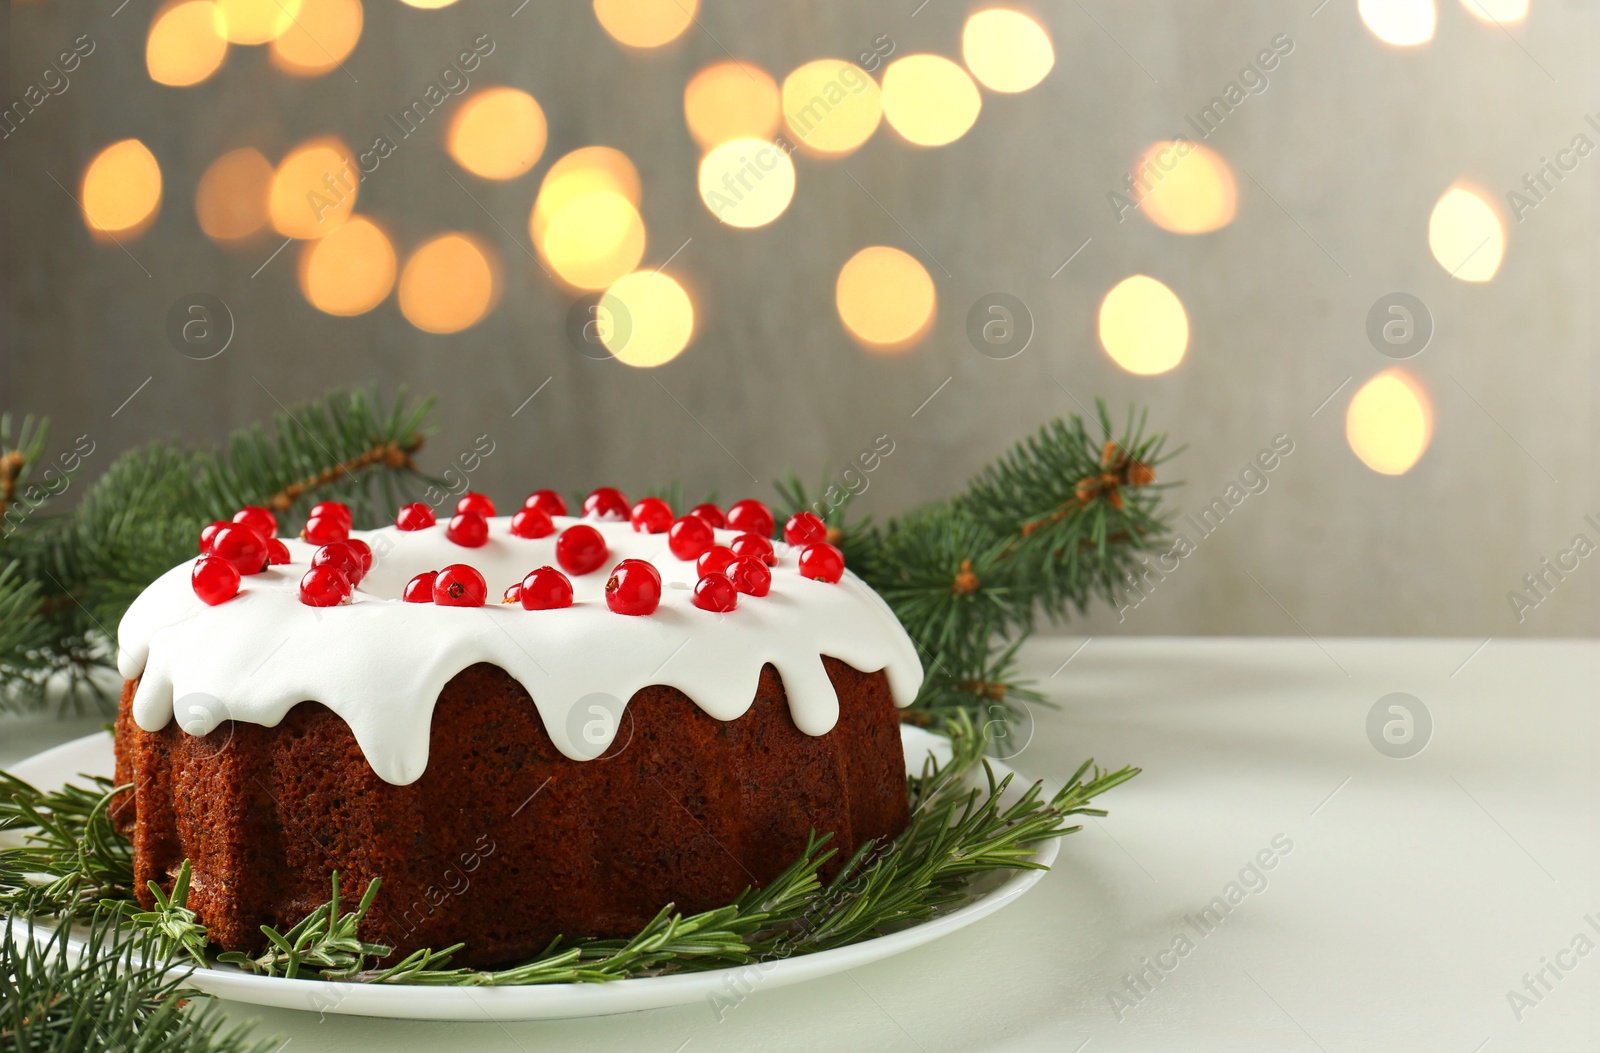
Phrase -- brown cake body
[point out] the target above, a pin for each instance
(504, 843)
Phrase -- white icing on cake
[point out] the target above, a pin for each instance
(380, 663)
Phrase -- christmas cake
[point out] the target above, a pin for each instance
(526, 726)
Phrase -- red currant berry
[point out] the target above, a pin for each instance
(337, 509)
(415, 516)
(750, 516)
(324, 587)
(547, 501)
(711, 514)
(651, 516)
(803, 528)
(277, 552)
(241, 546)
(634, 587)
(689, 537)
(546, 589)
(459, 585)
(258, 519)
(468, 529)
(215, 580)
(475, 502)
(513, 593)
(363, 551)
(820, 561)
(319, 530)
(532, 523)
(420, 588)
(750, 576)
(580, 549)
(606, 503)
(754, 545)
(341, 557)
(714, 560)
(209, 534)
(716, 593)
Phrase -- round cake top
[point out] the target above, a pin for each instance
(380, 662)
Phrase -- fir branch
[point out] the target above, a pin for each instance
(109, 990)
(142, 515)
(324, 941)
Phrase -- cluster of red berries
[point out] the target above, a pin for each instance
(248, 545)
(229, 550)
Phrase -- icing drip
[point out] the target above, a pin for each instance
(380, 663)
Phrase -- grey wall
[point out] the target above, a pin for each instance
(1339, 164)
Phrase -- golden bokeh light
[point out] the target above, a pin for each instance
(186, 44)
(583, 171)
(1466, 235)
(231, 200)
(257, 21)
(747, 182)
(448, 284)
(1390, 422)
(1143, 326)
(885, 298)
(498, 133)
(593, 240)
(350, 271)
(652, 320)
(1499, 11)
(121, 188)
(731, 100)
(1187, 188)
(1006, 50)
(322, 36)
(1403, 23)
(314, 189)
(645, 23)
(929, 99)
(428, 5)
(831, 106)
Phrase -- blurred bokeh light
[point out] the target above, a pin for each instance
(1190, 188)
(1143, 326)
(886, 298)
(659, 319)
(448, 284)
(831, 106)
(1466, 235)
(1006, 50)
(1390, 422)
(929, 99)
(257, 21)
(731, 100)
(498, 133)
(186, 43)
(1497, 10)
(121, 189)
(645, 23)
(231, 200)
(747, 182)
(350, 271)
(314, 189)
(1403, 23)
(593, 239)
(322, 36)
(583, 171)
(428, 5)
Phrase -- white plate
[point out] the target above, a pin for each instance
(93, 755)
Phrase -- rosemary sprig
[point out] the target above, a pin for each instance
(957, 832)
(68, 839)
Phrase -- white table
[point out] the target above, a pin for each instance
(1406, 897)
